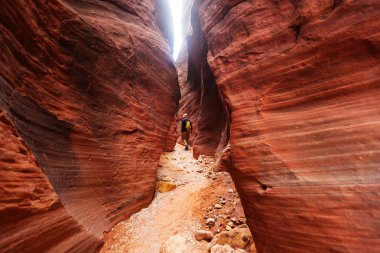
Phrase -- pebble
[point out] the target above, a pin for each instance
(210, 221)
(230, 191)
(218, 206)
(228, 228)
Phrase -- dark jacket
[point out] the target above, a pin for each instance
(183, 125)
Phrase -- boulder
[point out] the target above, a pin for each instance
(238, 238)
(203, 235)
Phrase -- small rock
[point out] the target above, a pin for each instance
(239, 251)
(203, 235)
(222, 249)
(218, 206)
(231, 224)
(223, 202)
(228, 228)
(234, 219)
(210, 221)
(230, 191)
(165, 186)
(199, 170)
(218, 231)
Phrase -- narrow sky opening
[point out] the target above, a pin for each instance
(176, 7)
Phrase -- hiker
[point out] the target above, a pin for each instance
(186, 129)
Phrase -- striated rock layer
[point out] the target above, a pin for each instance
(87, 94)
(301, 79)
(200, 97)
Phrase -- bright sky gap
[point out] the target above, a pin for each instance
(176, 9)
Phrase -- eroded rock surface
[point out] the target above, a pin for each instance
(200, 97)
(302, 84)
(89, 91)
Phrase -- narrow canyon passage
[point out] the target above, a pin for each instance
(283, 96)
(171, 221)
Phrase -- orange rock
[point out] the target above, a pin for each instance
(165, 186)
(203, 235)
(238, 238)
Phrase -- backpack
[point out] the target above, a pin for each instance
(188, 125)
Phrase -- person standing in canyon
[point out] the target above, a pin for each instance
(186, 130)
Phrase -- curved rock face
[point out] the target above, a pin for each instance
(32, 217)
(90, 89)
(200, 96)
(301, 80)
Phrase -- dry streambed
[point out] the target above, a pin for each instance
(194, 210)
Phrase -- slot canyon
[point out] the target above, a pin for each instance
(283, 96)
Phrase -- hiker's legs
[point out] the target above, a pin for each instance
(185, 139)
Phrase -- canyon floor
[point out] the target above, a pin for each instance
(173, 218)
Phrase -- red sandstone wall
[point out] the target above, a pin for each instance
(302, 81)
(90, 89)
(200, 97)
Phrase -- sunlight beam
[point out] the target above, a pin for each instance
(176, 10)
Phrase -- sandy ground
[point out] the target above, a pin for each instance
(181, 211)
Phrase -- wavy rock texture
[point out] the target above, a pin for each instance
(90, 89)
(32, 217)
(199, 93)
(302, 81)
